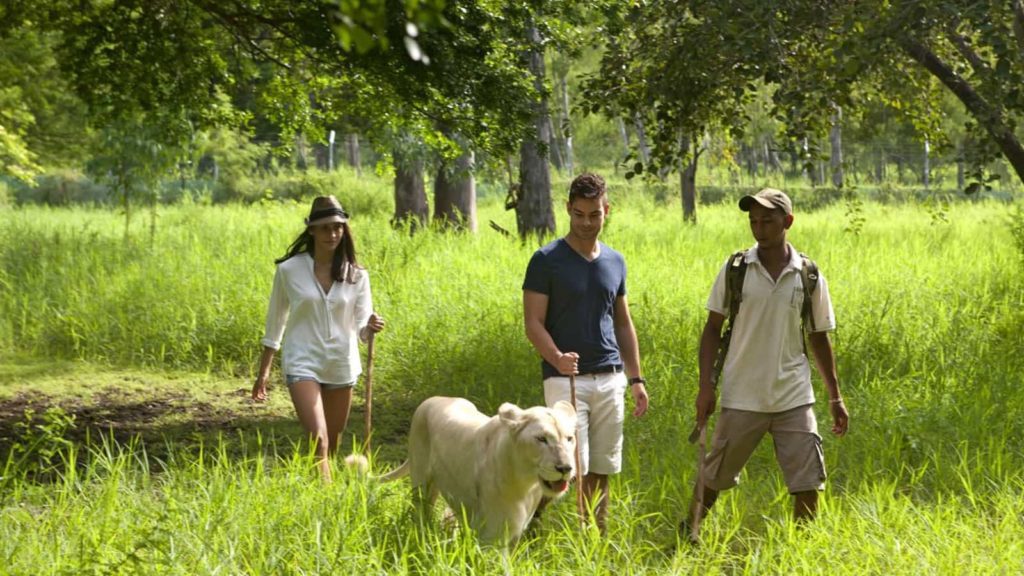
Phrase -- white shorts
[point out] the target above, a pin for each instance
(600, 409)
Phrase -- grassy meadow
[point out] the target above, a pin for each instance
(152, 460)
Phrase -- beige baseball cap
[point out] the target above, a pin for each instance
(769, 198)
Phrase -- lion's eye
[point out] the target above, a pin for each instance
(542, 439)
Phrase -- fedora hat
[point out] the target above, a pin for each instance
(326, 209)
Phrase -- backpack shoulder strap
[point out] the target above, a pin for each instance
(809, 278)
(734, 274)
(736, 268)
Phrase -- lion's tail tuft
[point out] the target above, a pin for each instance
(357, 463)
(400, 472)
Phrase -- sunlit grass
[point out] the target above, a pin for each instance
(929, 350)
(208, 512)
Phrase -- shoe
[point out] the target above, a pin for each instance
(686, 532)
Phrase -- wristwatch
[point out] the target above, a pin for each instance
(637, 380)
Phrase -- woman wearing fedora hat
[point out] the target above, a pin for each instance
(319, 305)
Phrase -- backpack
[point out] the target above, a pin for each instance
(734, 275)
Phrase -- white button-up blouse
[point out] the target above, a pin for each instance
(320, 330)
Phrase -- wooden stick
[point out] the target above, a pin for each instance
(369, 392)
(699, 496)
(580, 504)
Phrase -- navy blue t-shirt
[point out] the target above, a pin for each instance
(581, 302)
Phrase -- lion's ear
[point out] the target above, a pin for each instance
(565, 408)
(510, 414)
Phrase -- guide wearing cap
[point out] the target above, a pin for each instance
(772, 301)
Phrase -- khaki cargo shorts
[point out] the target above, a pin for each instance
(797, 447)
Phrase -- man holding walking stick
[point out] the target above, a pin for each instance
(577, 317)
(771, 295)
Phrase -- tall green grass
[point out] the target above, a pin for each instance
(928, 346)
(215, 513)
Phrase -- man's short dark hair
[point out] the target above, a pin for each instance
(587, 186)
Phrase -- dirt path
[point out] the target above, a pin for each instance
(174, 409)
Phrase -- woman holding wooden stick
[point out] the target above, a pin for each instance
(320, 307)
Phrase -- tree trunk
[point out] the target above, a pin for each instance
(960, 172)
(750, 160)
(641, 140)
(566, 126)
(410, 192)
(126, 198)
(301, 153)
(455, 194)
(835, 137)
(773, 157)
(688, 179)
(926, 175)
(330, 153)
(556, 146)
(152, 218)
(808, 165)
(624, 134)
(992, 117)
(352, 152)
(533, 211)
(880, 167)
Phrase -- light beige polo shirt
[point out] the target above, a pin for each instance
(766, 369)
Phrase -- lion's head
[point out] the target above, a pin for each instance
(546, 439)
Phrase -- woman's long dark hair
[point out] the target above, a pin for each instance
(344, 264)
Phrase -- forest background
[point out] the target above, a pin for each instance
(155, 157)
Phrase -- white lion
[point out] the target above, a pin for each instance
(496, 469)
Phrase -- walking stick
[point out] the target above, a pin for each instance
(369, 391)
(701, 431)
(580, 504)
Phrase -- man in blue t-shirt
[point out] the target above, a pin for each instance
(577, 317)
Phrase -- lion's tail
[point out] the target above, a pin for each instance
(400, 472)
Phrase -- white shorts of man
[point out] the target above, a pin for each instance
(600, 411)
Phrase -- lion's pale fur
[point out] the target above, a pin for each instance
(494, 468)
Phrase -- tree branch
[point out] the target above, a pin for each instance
(967, 51)
(229, 22)
(992, 118)
(238, 22)
(698, 149)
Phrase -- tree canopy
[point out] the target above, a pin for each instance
(451, 76)
(691, 66)
(393, 65)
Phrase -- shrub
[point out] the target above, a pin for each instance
(62, 187)
(40, 445)
(363, 196)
